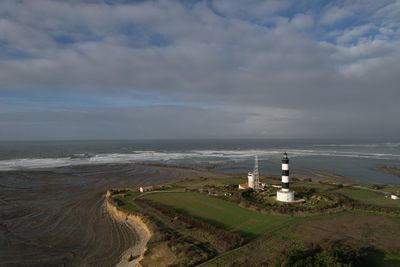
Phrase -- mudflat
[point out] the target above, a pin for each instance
(57, 217)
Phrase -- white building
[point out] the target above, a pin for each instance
(253, 180)
(146, 189)
(250, 182)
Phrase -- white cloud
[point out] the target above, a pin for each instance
(250, 8)
(302, 21)
(354, 33)
(335, 14)
(366, 49)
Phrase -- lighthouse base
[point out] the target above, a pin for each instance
(285, 196)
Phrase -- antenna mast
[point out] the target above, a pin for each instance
(256, 175)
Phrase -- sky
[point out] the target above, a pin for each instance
(103, 69)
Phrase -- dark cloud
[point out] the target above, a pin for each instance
(248, 69)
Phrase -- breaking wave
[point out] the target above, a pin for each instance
(385, 145)
(176, 157)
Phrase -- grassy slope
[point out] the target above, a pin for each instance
(198, 183)
(365, 195)
(356, 227)
(251, 223)
(223, 213)
(368, 196)
(261, 251)
(319, 187)
(125, 203)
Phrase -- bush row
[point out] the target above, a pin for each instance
(225, 240)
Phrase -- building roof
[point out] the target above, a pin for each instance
(244, 186)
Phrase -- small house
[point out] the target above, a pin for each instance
(146, 188)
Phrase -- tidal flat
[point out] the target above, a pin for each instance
(57, 217)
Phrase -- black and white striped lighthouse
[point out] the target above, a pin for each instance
(285, 194)
(285, 173)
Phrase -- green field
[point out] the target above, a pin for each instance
(201, 182)
(319, 187)
(368, 196)
(223, 213)
(264, 240)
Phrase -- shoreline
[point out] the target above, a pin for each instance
(384, 168)
(135, 254)
(179, 250)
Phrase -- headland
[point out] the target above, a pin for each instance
(60, 217)
(210, 222)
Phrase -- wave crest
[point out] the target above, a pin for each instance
(197, 156)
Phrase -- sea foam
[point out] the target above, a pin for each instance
(176, 157)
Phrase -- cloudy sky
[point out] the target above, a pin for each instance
(199, 69)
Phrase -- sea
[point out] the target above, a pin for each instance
(356, 160)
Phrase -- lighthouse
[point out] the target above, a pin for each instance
(285, 194)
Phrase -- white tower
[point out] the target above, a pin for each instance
(250, 177)
(285, 194)
(253, 177)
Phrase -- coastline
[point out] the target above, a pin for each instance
(132, 256)
(108, 241)
(332, 202)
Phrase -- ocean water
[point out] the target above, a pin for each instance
(355, 160)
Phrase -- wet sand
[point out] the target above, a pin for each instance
(58, 218)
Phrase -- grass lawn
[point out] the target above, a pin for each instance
(392, 189)
(200, 182)
(222, 213)
(368, 196)
(319, 187)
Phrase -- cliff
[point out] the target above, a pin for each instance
(133, 255)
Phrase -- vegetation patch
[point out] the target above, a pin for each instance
(358, 229)
(225, 214)
(367, 196)
(212, 223)
(331, 254)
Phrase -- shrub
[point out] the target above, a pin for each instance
(226, 240)
(333, 254)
